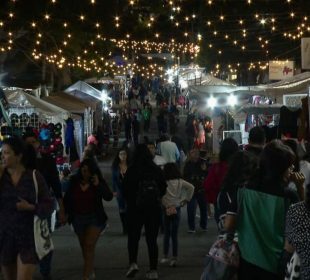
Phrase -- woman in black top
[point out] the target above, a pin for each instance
(119, 169)
(241, 168)
(144, 185)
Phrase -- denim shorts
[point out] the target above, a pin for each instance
(82, 222)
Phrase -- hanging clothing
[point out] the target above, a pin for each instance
(289, 122)
(303, 130)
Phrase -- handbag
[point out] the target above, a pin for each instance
(42, 237)
(222, 261)
(293, 268)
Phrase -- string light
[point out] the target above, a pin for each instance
(221, 27)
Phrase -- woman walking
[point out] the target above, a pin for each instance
(119, 168)
(178, 193)
(83, 204)
(144, 186)
(18, 255)
(261, 212)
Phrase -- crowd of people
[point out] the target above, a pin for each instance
(257, 195)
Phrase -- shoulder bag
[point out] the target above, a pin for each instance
(42, 238)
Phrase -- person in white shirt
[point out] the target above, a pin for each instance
(178, 193)
(168, 150)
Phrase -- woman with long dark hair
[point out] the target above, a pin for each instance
(241, 168)
(83, 204)
(217, 172)
(144, 186)
(262, 207)
(18, 255)
(119, 169)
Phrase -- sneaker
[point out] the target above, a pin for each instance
(133, 269)
(152, 274)
(164, 260)
(204, 229)
(173, 262)
(191, 231)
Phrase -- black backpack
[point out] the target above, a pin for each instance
(148, 195)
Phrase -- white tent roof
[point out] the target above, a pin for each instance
(209, 80)
(81, 88)
(197, 74)
(295, 85)
(20, 99)
(298, 84)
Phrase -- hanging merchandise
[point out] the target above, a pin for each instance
(51, 141)
(70, 142)
(289, 122)
(34, 120)
(14, 120)
(303, 131)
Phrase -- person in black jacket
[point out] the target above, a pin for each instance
(83, 204)
(194, 172)
(144, 186)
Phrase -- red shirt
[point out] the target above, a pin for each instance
(213, 181)
(84, 201)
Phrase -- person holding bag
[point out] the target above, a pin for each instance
(178, 193)
(83, 205)
(262, 206)
(18, 208)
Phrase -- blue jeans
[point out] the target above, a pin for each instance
(171, 227)
(198, 198)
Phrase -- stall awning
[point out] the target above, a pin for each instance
(68, 102)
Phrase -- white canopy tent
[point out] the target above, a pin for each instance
(296, 85)
(93, 114)
(20, 101)
(80, 88)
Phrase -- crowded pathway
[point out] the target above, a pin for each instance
(111, 260)
(259, 174)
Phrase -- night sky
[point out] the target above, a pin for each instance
(105, 36)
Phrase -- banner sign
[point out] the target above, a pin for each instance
(280, 70)
(305, 53)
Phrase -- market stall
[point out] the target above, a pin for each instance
(89, 94)
(27, 112)
(78, 107)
